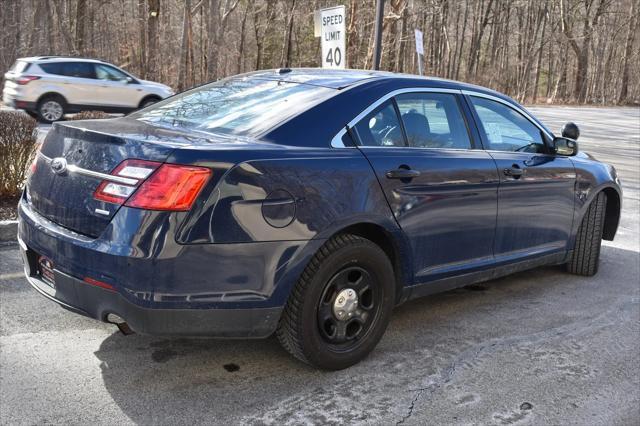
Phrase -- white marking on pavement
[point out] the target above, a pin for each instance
(11, 276)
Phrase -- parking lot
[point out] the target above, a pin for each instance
(538, 347)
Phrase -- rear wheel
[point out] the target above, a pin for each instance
(586, 253)
(341, 305)
(51, 108)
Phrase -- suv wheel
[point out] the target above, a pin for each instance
(586, 253)
(148, 101)
(341, 306)
(51, 109)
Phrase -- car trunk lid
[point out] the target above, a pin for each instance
(73, 155)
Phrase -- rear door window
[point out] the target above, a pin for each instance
(381, 127)
(79, 70)
(53, 68)
(433, 120)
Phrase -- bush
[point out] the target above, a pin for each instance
(90, 115)
(18, 142)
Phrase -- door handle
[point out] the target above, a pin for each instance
(514, 171)
(402, 174)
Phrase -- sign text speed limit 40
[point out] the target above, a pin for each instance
(333, 35)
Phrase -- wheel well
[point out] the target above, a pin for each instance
(146, 98)
(383, 239)
(612, 214)
(52, 95)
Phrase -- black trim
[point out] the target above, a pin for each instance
(450, 283)
(94, 302)
(72, 108)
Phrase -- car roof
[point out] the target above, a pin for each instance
(341, 79)
(59, 59)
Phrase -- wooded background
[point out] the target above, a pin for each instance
(574, 51)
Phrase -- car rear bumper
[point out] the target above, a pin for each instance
(215, 290)
(85, 299)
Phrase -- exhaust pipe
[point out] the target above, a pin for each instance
(121, 324)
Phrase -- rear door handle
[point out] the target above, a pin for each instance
(514, 171)
(402, 174)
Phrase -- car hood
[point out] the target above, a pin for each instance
(157, 85)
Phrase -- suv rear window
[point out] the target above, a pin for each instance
(70, 69)
(20, 66)
(238, 106)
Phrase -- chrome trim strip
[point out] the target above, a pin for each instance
(90, 173)
(336, 142)
(395, 93)
(509, 104)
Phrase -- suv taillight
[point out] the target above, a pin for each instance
(168, 187)
(26, 79)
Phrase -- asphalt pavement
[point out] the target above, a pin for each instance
(538, 347)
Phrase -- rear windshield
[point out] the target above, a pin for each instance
(20, 66)
(237, 106)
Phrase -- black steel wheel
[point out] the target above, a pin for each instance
(341, 306)
(348, 307)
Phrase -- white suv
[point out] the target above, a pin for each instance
(48, 87)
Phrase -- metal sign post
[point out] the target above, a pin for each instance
(419, 49)
(330, 26)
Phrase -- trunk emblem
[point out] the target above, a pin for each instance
(59, 165)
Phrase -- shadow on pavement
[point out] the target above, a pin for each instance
(181, 380)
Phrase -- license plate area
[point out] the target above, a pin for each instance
(44, 271)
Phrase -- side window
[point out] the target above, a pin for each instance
(433, 120)
(380, 127)
(78, 69)
(52, 68)
(506, 129)
(105, 72)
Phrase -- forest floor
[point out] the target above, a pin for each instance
(537, 347)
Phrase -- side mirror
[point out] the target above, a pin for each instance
(571, 131)
(565, 146)
(128, 80)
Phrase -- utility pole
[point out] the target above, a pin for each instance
(377, 50)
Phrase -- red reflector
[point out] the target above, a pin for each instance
(99, 284)
(171, 187)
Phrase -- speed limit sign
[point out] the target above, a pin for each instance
(333, 34)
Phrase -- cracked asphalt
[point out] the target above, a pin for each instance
(538, 347)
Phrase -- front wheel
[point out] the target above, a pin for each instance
(341, 306)
(586, 253)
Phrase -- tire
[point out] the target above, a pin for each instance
(350, 277)
(149, 101)
(586, 253)
(51, 108)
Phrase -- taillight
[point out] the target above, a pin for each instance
(168, 187)
(25, 79)
(133, 172)
(172, 187)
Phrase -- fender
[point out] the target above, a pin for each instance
(593, 177)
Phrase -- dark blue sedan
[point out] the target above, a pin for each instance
(307, 203)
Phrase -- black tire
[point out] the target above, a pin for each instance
(150, 100)
(48, 105)
(586, 253)
(332, 272)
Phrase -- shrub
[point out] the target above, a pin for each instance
(18, 142)
(90, 115)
